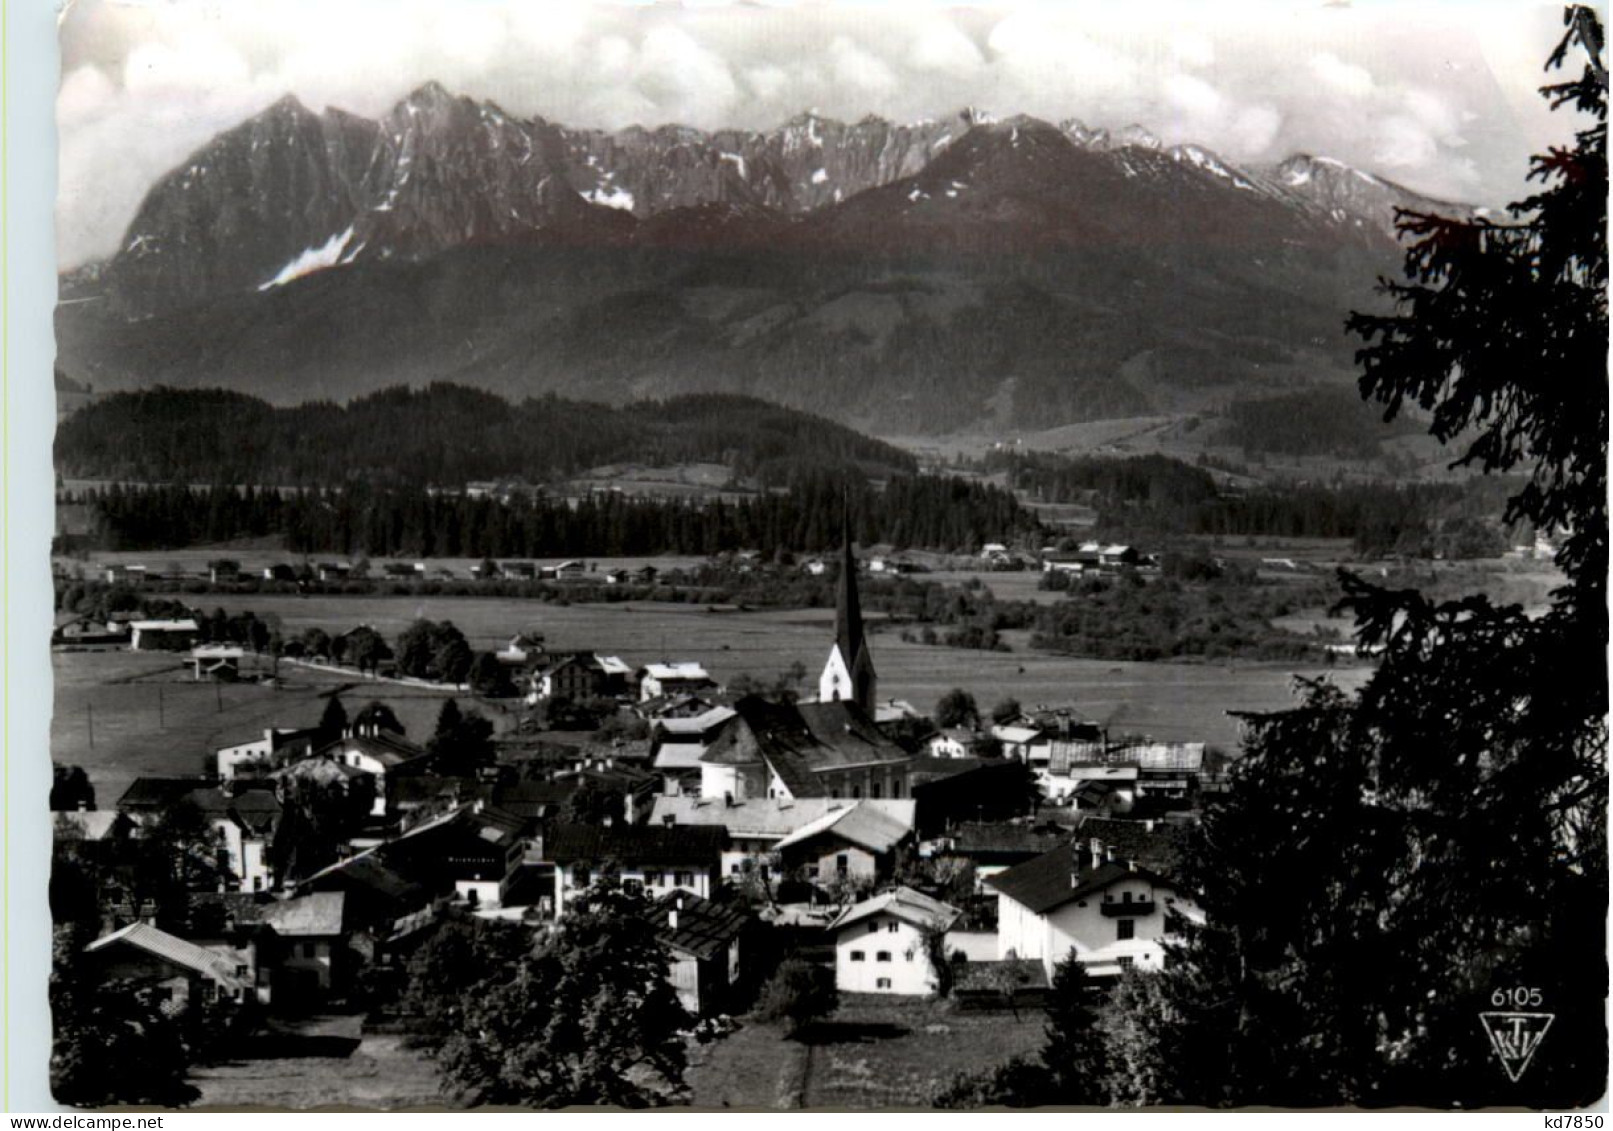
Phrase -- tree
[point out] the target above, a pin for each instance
(453, 661)
(490, 678)
(70, 789)
(956, 708)
(799, 993)
(588, 1018)
(463, 742)
(111, 1043)
(593, 804)
(316, 642)
(1440, 835)
(1006, 710)
(333, 720)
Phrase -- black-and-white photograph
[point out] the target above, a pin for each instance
(829, 555)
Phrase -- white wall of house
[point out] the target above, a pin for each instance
(489, 894)
(883, 955)
(656, 881)
(231, 758)
(739, 782)
(1098, 940)
(832, 861)
(246, 854)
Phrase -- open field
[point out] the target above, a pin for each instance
(122, 715)
(874, 1053)
(321, 1062)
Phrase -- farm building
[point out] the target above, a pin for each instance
(882, 945)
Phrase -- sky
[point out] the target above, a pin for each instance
(1440, 96)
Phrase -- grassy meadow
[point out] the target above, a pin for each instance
(136, 731)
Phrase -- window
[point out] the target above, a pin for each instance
(883, 983)
(842, 865)
(1125, 962)
(1125, 928)
(685, 879)
(876, 791)
(856, 793)
(1125, 897)
(856, 956)
(580, 877)
(652, 879)
(308, 948)
(240, 971)
(883, 956)
(893, 926)
(733, 869)
(873, 928)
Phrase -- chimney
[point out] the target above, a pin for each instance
(1096, 847)
(672, 917)
(679, 898)
(1109, 855)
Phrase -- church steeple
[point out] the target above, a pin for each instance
(849, 673)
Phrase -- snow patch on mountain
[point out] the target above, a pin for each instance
(615, 198)
(327, 254)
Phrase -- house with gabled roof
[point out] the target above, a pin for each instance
(883, 944)
(656, 859)
(800, 750)
(384, 754)
(179, 971)
(757, 825)
(682, 677)
(244, 817)
(1110, 912)
(707, 942)
(855, 844)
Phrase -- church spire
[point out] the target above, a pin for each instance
(849, 674)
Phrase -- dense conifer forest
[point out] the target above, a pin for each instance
(909, 511)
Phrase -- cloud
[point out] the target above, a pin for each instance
(941, 46)
(860, 69)
(1346, 78)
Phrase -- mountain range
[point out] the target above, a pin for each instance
(902, 277)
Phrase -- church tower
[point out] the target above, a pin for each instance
(849, 674)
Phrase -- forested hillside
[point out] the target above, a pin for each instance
(445, 435)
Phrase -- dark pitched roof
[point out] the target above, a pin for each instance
(1058, 876)
(1158, 847)
(158, 793)
(800, 740)
(384, 746)
(255, 809)
(632, 844)
(705, 928)
(1004, 837)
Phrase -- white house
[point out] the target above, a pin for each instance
(310, 932)
(757, 826)
(656, 859)
(152, 635)
(882, 945)
(1078, 899)
(656, 680)
(278, 746)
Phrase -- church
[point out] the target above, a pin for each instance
(830, 748)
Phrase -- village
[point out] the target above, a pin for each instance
(955, 855)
